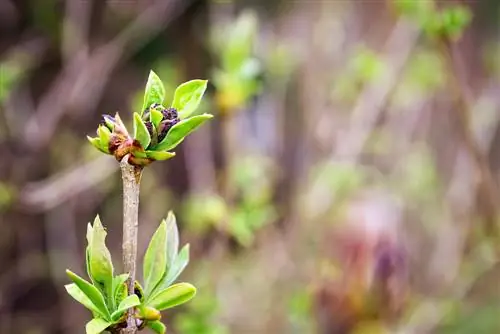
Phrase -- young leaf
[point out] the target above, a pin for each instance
(172, 296)
(157, 326)
(101, 266)
(149, 313)
(160, 155)
(155, 117)
(91, 292)
(187, 97)
(96, 142)
(181, 261)
(77, 294)
(172, 239)
(141, 131)
(155, 259)
(130, 301)
(118, 287)
(104, 136)
(154, 92)
(180, 130)
(96, 326)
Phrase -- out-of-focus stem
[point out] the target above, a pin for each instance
(131, 177)
(487, 184)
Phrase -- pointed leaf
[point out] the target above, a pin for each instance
(96, 142)
(187, 97)
(157, 326)
(96, 326)
(130, 301)
(104, 136)
(154, 92)
(180, 263)
(91, 292)
(77, 294)
(101, 266)
(180, 130)
(155, 117)
(141, 131)
(155, 259)
(160, 155)
(172, 296)
(172, 239)
(118, 287)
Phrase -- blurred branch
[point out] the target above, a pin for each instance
(75, 30)
(83, 78)
(47, 194)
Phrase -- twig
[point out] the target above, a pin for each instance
(131, 182)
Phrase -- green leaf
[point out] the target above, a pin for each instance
(155, 117)
(172, 239)
(172, 296)
(155, 259)
(179, 131)
(119, 289)
(187, 97)
(157, 326)
(77, 294)
(160, 155)
(91, 292)
(96, 142)
(154, 92)
(96, 326)
(141, 131)
(104, 136)
(101, 266)
(130, 301)
(180, 263)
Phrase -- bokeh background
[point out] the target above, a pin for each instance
(348, 183)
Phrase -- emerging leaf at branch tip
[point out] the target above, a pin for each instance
(157, 327)
(141, 132)
(187, 97)
(160, 155)
(155, 117)
(155, 259)
(96, 142)
(174, 295)
(96, 326)
(154, 92)
(104, 135)
(179, 131)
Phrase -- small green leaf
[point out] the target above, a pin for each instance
(104, 136)
(179, 131)
(160, 155)
(149, 313)
(141, 131)
(119, 288)
(172, 296)
(187, 97)
(101, 266)
(154, 92)
(155, 117)
(172, 239)
(96, 142)
(155, 259)
(77, 294)
(130, 301)
(157, 326)
(96, 326)
(91, 292)
(180, 263)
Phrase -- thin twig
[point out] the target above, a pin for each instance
(131, 183)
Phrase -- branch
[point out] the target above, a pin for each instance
(131, 183)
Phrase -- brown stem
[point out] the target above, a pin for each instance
(131, 177)
(487, 185)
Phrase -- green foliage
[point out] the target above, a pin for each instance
(236, 78)
(107, 296)
(157, 129)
